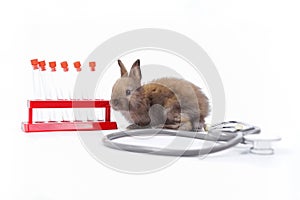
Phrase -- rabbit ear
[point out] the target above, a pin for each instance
(123, 69)
(135, 71)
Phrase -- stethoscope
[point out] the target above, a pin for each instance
(224, 135)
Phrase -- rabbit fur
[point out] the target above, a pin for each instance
(166, 102)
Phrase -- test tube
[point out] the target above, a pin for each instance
(92, 66)
(79, 95)
(64, 80)
(54, 94)
(46, 94)
(52, 77)
(98, 114)
(37, 92)
(65, 89)
(43, 76)
(36, 79)
(80, 114)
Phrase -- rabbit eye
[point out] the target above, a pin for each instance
(128, 92)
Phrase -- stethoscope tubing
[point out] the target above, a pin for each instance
(223, 140)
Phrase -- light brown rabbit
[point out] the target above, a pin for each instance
(166, 102)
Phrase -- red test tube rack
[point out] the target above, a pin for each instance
(32, 126)
(53, 98)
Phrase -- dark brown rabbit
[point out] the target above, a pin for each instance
(166, 102)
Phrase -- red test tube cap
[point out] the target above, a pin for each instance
(64, 65)
(77, 66)
(34, 63)
(42, 65)
(52, 65)
(92, 65)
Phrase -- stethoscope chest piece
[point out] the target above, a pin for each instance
(261, 144)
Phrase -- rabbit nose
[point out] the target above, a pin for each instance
(114, 102)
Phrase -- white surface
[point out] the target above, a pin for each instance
(255, 46)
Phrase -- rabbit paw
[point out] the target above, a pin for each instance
(185, 124)
(197, 126)
(168, 126)
(177, 119)
(173, 119)
(135, 126)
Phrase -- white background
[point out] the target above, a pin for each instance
(255, 46)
